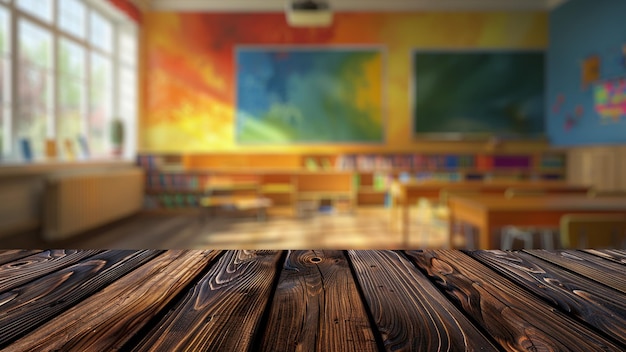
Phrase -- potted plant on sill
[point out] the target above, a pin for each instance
(117, 136)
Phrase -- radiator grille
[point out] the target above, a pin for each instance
(76, 203)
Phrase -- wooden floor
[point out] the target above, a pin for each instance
(193, 300)
(368, 228)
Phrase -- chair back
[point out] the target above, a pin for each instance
(593, 231)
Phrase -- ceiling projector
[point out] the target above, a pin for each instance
(309, 13)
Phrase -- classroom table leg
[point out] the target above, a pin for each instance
(451, 226)
(405, 222)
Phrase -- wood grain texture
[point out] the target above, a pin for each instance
(21, 271)
(10, 255)
(577, 296)
(616, 255)
(28, 306)
(109, 318)
(223, 310)
(597, 269)
(317, 307)
(518, 320)
(410, 313)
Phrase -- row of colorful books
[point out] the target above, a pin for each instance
(51, 149)
(171, 201)
(552, 161)
(176, 181)
(160, 162)
(442, 162)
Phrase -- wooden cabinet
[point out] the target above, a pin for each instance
(602, 167)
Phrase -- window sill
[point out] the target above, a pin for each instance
(43, 167)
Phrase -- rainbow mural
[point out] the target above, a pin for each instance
(189, 74)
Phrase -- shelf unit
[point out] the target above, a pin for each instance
(344, 180)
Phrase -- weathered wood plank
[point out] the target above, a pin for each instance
(601, 270)
(577, 296)
(410, 313)
(223, 310)
(28, 306)
(108, 319)
(616, 255)
(9, 255)
(317, 307)
(514, 317)
(21, 271)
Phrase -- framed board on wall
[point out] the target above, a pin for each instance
(478, 94)
(295, 95)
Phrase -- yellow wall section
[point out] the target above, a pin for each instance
(187, 73)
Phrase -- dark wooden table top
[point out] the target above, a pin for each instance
(431, 300)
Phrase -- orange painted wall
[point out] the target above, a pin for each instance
(187, 71)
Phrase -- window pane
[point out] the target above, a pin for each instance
(4, 31)
(71, 59)
(72, 15)
(127, 48)
(42, 9)
(71, 107)
(100, 108)
(71, 91)
(35, 45)
(34, 120)
(127, 100)
(5, 84)
(5, 105)
(100, 35)
(34, 86)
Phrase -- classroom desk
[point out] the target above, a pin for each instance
(407, 193)
(226, 193)
(488, 213)
(202, 300)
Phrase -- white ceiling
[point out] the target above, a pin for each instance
(351, 5)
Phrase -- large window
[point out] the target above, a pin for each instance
(66, 71)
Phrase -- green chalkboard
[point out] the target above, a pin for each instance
(479, 94)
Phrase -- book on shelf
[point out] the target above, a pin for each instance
(51, 149)
(310, 164)
(511, 161)
(26, 149)
(326, 164)
(83, 147)
(484, 162)
(451, 161)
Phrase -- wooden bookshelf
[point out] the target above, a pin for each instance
(359, 179)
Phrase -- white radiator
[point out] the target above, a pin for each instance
(76, 203)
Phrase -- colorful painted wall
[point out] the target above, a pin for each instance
(188, 71)
(587, 73)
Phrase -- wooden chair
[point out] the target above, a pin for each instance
(441, 215)
(525, 234)
(593, 231)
